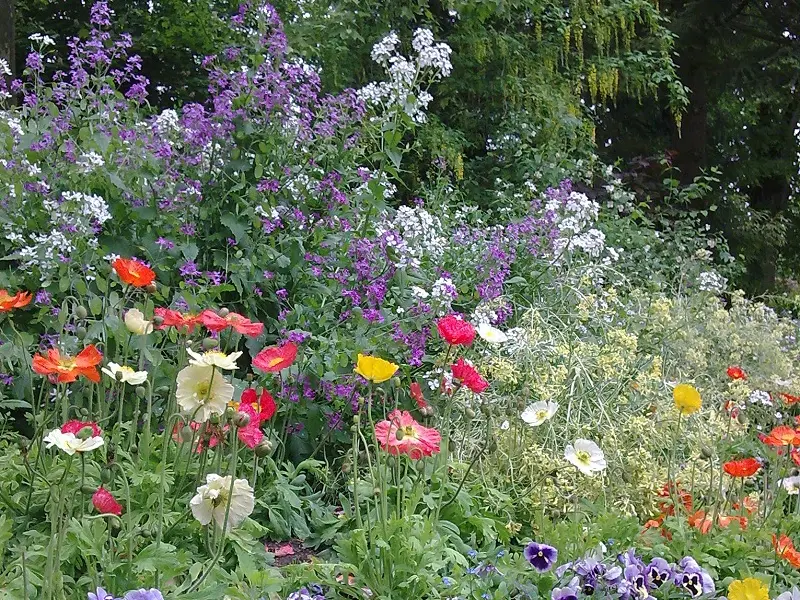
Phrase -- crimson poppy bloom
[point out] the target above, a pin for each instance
(134, 272)
(416, 394)
(401, 434)
(782, 435)
(468, 376)
(789, 398)
(276, 358)
(250, 435)
(174, 318)
(65, 369)
(9, 302)
(745, 467)
(455, 331)
(736, 373)
(265, 405)
(74, 426)
(240, 323)
(105, 503)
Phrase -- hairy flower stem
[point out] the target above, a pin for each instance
(55, 534)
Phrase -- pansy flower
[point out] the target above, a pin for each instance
(66, 369)
(541, 556)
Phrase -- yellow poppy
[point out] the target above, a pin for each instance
(375, 369)
(687, 399)
(748, 589)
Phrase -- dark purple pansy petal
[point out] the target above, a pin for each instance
(541, 556)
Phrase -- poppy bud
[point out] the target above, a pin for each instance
(114, 523)
(214, 419)
(451, 446)
(140, 391)
(186, 433)
(229, 412)
(158, 320)
(88, 489)
(81, 312)
(238, 254)
(81, 333)
(470, 413)
(741, 418)
(346, 467)
(241, 419)
(106, 475)
(263, 448)
(249, 377)
(706, 453)
(84, 412)
(85, 433)
(399, 434)
(210, 343)
(146, 533)
(431, 411)
(356, 419)
(151, 288)
(23, 445)
(376, 491)
(119, 376)
(223, 312)
(396, 382)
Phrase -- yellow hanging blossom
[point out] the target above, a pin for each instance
(375, 369)
(687, 399)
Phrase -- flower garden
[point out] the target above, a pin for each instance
(242, 357)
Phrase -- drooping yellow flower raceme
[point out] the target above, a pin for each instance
(687, 399)
(375, 369)
(748, 589)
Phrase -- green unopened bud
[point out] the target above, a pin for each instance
(263, 448)
(158, 321)
(88, 489)
(210, 343)
(470, 413)
(23, 445)
(140, 391)
(241, 419)
(146, 533)
(238, 254)
(396, 382)
(85, 433)
(229, 412)
(376, 491)
(114, 523)
(214, 419)
(106, 475)
(81, 333)
(151, 288)
(223, 312)
(119, 376)
(346, 467)
(706, 453)
(741, 418)
(399, 434)
(81, 312)
(451, 446)
(186, 433)
(249, 377)
(356, 419)
(84, 412)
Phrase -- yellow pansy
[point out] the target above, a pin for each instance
(748, 589)
(375, 369)
(687, 399)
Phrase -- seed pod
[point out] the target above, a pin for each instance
(223, 312)
(81, 333)
(210, 343)
(470, 413)
(263, 448)
(241, 419)
(81, 312)
(399, 434)
(106, 475)
(151, 288)
(140, 391)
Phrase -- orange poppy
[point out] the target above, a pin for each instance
(65, 369)
(216, 323)
(745, 467)
(9, 302)
(682, 495)
(748, 504)
(725, 521)
(736, 373)
(134, 272)
(275, 358)
(177, 319)
(701, 521)
(789, 398)
(784, 547)
(782, 435)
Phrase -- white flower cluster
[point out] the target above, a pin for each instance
(406, 75)
(167, 121)
(43, 40)
(760, 397)
(14, 124)
(389, 189)
(414, 234)
(89, 161)
(443, 292)
(711, 281)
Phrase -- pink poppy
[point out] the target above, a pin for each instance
(415, 440)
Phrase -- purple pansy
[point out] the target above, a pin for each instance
(541, 556)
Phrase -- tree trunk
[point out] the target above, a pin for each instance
(7, 34)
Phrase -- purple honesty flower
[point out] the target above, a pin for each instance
(189, 268)
(42, 297)
(100, 594)
(6, 379)
(541, 556)
(143, 594)
(282, 294)
(165, 244)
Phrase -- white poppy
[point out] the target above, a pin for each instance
(539, 412)
(586, 456)
(791, 485)
(214, 358)
(128, 375)
(70, 443)
(136, 323)
(491, 334)
(211, 501)
(202, 389)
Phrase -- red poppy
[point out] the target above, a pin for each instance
(401, 434)
(736, 373)
(134, 272)
(74, 426)
(174, 318)
(795, 456)
(65, 369)
(701, 521)
(745, 467)
(455, 331)
(250, 435)
(9, 302)
(240, 323)
(726, 520)
(782, 435)
(416, 394)
(276, 358)
(789, 398)
(747, 503)
(265, 405)
(468, 376)
(105, 503)
(682, 495)
(784, 547)
(732, 408)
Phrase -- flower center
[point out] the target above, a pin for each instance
(65, 365)
(408, 431)
(202, 389)
(583, 456)
(541, 414)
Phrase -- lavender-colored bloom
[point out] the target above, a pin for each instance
(42, 297)
(541, 556)
(282, 294)
(694, 579)
(165, 244)
(6, 379)
(143, 594)
(659, 572)
(565, 593)
(100, 594)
